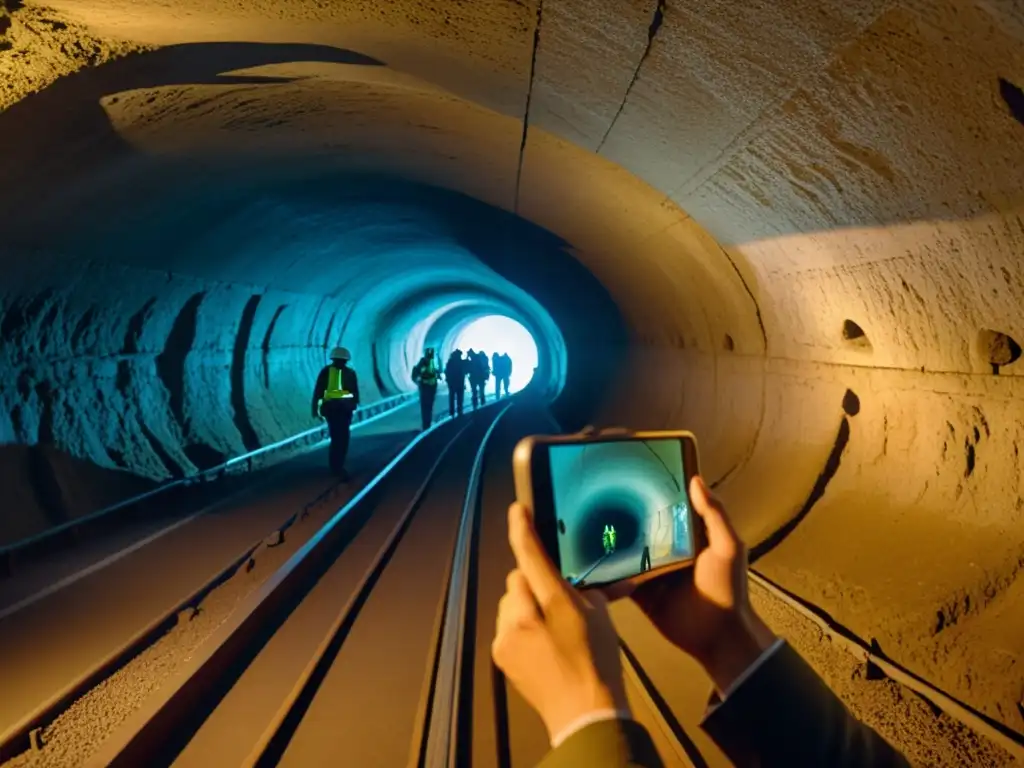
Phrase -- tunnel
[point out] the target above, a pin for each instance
(794, 229)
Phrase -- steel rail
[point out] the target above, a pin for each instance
(964, 714)
(441, 749)
(17, 737)
(71, 531)
(176, 708)
(275, 738)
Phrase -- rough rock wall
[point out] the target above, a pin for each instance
(114, 376)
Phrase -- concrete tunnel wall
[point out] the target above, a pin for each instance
(743, 179)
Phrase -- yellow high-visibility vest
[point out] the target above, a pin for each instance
(335, 391)
(429, 373)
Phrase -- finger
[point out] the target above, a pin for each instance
(653, 594)
(722, 537)
(598, 598)
(614, 591)
(517, 585)
(533, 562)
(517, 607)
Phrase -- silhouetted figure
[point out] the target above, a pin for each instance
(455, 375)
(479, 372)
(645, 559)
(335, 398)
(470, 361)
(501, 365)
(426, 374)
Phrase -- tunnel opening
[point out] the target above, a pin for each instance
(998, 349)
(586, 533)
(502, 335)
(728, 344)
(854, 335)
(1013, 98)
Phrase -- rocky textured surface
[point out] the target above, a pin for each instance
(808, 215)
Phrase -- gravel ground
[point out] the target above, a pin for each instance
(926, 736)
(74, 736)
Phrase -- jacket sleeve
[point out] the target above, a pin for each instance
(785, 715)
(355, 389)
(318, 390)
(605, 744)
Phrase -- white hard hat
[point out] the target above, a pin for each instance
(340, 353)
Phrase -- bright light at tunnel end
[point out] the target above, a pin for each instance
(497, 333)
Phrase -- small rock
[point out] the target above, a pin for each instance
(275, 539)
(185, 615)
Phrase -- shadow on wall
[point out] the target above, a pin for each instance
(851, 408)
(44, 129)
(44, 487)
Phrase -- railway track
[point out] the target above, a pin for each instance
(369, 646)
(92, 638)
(349, 636)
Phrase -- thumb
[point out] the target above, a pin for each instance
(722, 537)
(544, 580)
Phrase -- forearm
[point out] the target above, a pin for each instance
(779, 712)
(736, 652)
(318, 393)
(611, 742)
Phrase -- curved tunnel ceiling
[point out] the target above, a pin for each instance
(806, 217)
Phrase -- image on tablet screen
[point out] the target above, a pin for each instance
(621, 508)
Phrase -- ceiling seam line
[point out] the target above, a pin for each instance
(652, 30)
(529, 99)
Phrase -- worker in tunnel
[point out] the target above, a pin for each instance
(479, 372)
(426, 374)
(608, 539)
(335, 399)
(501, 366)
(605, 540)
(455, 377)
(506, 372)
(559, 648)
(471, 367)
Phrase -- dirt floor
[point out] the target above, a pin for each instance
(907, 721)
(74, 736)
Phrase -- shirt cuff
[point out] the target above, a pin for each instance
(590, 718)
(752, 668)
